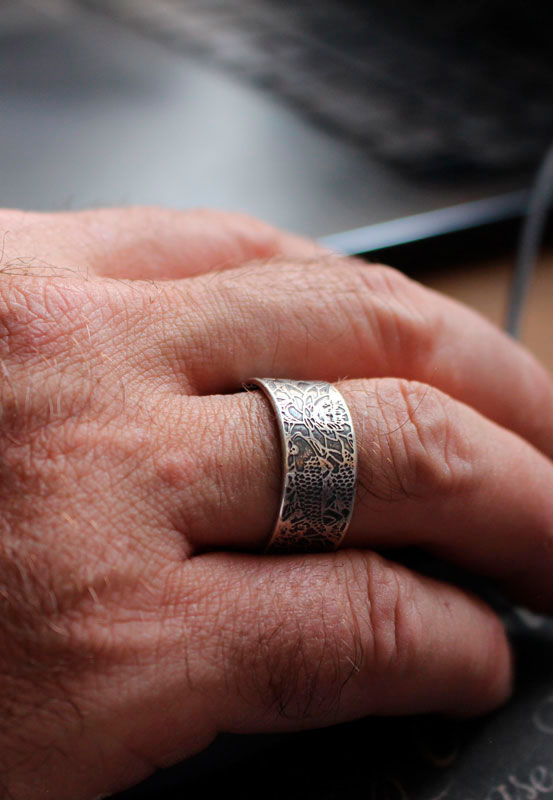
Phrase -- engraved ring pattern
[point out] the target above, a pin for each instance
(319, 464)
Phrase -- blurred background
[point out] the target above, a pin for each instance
(318, 115)
(405, 131)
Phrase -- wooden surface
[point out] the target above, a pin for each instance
(484, 287)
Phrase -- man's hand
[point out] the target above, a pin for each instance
(134, 470)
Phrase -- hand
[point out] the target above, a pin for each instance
(134, 470)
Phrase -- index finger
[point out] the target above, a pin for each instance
(143, 243)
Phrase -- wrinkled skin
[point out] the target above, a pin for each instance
(138, 615)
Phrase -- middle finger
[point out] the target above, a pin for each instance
(336, 318)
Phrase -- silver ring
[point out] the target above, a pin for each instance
(319, 464)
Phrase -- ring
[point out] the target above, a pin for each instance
(319, 464)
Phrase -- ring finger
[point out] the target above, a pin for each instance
(432, 473)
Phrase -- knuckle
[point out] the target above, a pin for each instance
(382, 613)
(397, 316)
(382, 278)
(375, 305)
(294, 658)
(326, 298)
(301, 648)
(394, 624)
(421, 449)
(243, 235)
(247, 239)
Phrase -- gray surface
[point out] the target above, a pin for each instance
(92, 115)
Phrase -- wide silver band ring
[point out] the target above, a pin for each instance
(319, 464)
